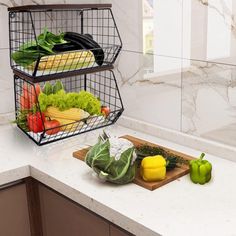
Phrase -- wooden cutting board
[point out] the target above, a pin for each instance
(170, 175)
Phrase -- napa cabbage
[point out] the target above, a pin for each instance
(113, 159)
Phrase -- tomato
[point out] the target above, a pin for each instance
(105, 110)
(35, 122)
(52, 126)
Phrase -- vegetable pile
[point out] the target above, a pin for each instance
(117, 160)
(64, 101)
(52, 109)
(49, 47)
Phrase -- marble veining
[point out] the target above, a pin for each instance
(128, 16)
(196, 100)
(155, 98)
(136, 73)
(9, 3)
(3, 4)
(135, 70)
(224, 12)
(206, 98)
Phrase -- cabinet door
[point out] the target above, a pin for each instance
(115, 231)
(14, 218)
(61, 217)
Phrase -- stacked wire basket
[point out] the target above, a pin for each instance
(64, 52)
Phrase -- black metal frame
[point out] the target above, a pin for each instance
(26, 22)
(101, 84)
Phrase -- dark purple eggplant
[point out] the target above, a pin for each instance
(88, 35)
(67, 47)
(88, 43)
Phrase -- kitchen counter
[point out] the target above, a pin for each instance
(178, 208)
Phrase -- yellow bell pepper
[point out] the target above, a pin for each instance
(153, 168)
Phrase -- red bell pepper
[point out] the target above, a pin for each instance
(35, 122)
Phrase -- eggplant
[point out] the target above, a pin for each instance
(67, 47)
(88, 43)
(89, 35)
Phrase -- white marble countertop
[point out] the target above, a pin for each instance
(178, 208)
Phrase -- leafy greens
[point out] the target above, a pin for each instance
(109, 168)
(63, 101)
(32, 50)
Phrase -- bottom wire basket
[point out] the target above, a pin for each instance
(57, 109)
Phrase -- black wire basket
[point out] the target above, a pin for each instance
(42, 110)
(54, 40)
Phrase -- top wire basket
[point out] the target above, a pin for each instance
(51, 41)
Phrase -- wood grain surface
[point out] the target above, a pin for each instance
(34, 208)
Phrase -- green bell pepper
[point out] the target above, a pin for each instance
(200, 170)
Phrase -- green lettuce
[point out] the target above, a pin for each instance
(63, 101)
(107, 167)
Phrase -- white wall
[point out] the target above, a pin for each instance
(187, 98)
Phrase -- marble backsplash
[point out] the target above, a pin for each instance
(199, 100)
(152, 98)
(209, 101)
(197, 97)
(213, 30)
(197, 94)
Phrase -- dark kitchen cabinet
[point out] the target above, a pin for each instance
(14, 217)
(62, 217)
(115, 231)
(29, 208)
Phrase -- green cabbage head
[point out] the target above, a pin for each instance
(103, 160)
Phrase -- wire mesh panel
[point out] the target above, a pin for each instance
(53, 41)
(50, 111)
